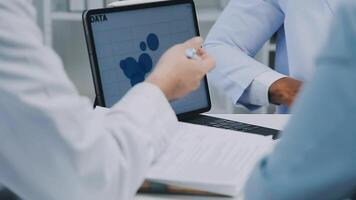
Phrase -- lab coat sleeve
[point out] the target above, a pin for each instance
(53, 145)
(316, 157)
(240, 32)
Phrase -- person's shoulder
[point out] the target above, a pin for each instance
(342, 39)
(346, 20)
(347, 8)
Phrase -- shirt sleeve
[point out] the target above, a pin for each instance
(315, 158)
(53, 144)
(240, 32)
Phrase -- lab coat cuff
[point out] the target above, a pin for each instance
(152, 105)
(259, 88)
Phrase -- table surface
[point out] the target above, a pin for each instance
(270, 121)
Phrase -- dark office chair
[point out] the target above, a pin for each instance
(353, 197)
(6, 194)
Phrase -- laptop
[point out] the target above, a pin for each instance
(126, 41)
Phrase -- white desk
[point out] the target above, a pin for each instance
(270, 121)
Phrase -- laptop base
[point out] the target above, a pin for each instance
(232, 125)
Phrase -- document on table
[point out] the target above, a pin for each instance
(210, 159)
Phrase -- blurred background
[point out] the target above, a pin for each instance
(61, 22)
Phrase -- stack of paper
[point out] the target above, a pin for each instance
(209, 159)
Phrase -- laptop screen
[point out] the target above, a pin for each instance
(128, 44)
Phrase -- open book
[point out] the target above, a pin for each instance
(211, 160)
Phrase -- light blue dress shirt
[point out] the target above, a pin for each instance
(243, 29)
(316, 158)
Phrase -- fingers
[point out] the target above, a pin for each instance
(195, 42)
(208, 62)
(201, 52)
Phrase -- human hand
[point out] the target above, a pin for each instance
(176, 75)
(284, 91)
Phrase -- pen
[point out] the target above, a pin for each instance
(192, 53)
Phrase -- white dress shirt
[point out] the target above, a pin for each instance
(52, 143)
(243, 29)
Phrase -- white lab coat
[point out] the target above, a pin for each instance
(52, 143)
(243, 28)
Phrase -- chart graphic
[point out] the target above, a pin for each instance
(136, 71)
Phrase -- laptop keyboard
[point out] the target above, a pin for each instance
(233, 125)
(226, 124)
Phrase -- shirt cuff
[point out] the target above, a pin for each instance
(257, 92)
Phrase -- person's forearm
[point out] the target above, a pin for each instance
(56, 147)
(235, 71)
(234, 46)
